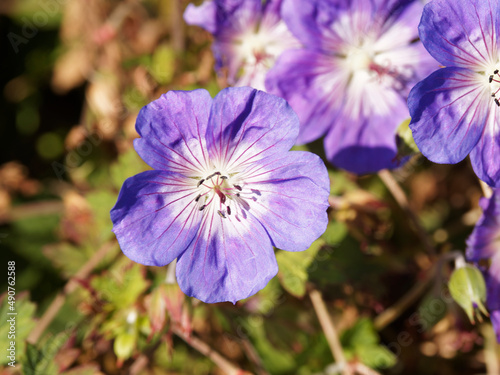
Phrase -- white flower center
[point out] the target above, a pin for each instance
(219, 192)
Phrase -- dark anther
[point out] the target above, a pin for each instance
(493, 95)
(213, 174)
(228, 210)
(197, 198)
(238, 187)
(203, 207)
(496, 71)
(237, 194)
(221, 214)
(224, 177)
(200, 182)
(491, 78)
(497, 102)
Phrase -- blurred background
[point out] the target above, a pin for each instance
(73, 76)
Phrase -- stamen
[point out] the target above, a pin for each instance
(200, 182)
(213, 174)
(203, 207)
(228, 210)
(491, 78)
(197, 198)
(221, 214)
(497, 102)
(224, 177)
(238, 187)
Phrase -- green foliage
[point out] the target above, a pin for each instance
(24, 324)
(163, 64)
(362, 342)
(293, 268)
(406, 143)
(127, 165)
(40, 359)
(122, 285)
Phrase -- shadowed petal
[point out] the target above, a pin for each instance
(495, 320)
(172, 131)
(289, 197)
(461, 33)
(247, 125)
(154, 218)
(448, 110)
(229, 260)
(368, 144)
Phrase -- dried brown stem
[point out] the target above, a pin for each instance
(224, 364)
(400, 197)
(329, 330)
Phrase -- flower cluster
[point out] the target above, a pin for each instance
(483, 248)
(456, 110)
(249, 36)
(224, 191)
(351, 79)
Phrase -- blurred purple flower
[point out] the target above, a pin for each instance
(351, 79)
(224, 191)
(249, 36)
(455, 111)
(483, 247)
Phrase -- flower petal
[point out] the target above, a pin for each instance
(154, 219)
(247, 125)
(448, 110)
(366, 144)
(461, 33)
(172, 130)
(289, 197)
(229, 260)
(311, 82)
(486, 155)
(495, 320)
(484, 240)
(204, 15)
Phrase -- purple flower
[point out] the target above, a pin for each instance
(483, 247)
(351, 79)
(249, 36)
(224, 191)
(455, 111)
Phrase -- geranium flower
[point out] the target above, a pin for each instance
(249, 36)
(224, 191)
(352, 78)
(483, 248)
(455, 111)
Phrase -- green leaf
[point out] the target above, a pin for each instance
(293, 268)
(122, 285)
(163, 64)
(404, 140)
(362, 341)
(127, 165)
(23, 324)
(40, 360)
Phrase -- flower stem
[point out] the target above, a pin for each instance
(201, 346)
(329, 329)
